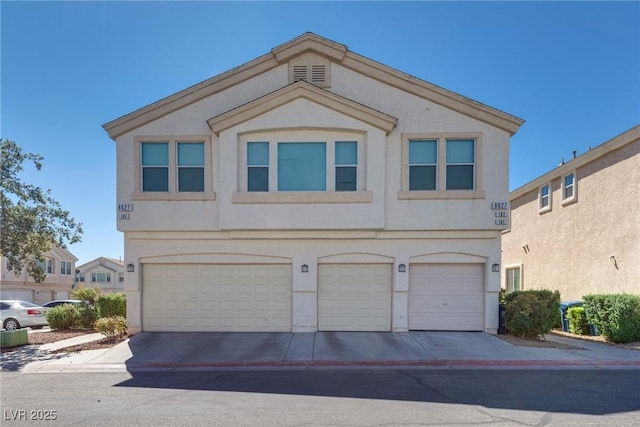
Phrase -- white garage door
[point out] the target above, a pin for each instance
(19, 295)
(216, 298)
(43, 297)
(446, 297)
(354, 297)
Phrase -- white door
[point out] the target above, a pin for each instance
(446, 297)
(354, 297)
(216, 298)
(62, 295)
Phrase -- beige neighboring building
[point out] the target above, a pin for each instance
(577, 228)
(59, 264)
(104, 273)
(312, 189)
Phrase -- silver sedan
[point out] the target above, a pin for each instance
(16, 314)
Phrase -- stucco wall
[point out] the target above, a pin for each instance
(311, 249)
(570, 248)
(383, 162)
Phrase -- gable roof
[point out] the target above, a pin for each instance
(304, 90)
(102, 261)
(335, 52)
(601, 150)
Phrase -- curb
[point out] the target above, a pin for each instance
(320, 364)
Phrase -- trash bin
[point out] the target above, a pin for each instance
(502, 329)
(564, 306)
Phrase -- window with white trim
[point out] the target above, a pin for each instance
(65, 268)
(444, 165)
(100, 277)
(544, 198)
(51, 266)
(121, 277)
(569, 188)
(514, 279)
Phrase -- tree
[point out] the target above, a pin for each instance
(32, 221)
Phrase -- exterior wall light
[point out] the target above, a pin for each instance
(130, 268)
(402, 268)
(304, 268)
(495, 268)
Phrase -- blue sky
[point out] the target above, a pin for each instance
(570, 69)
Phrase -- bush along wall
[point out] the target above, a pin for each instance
(531, 314)
(616, 316)
(578, 323)
(112, 304)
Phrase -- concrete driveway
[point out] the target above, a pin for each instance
(170, 351)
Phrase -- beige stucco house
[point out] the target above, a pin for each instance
(577, 228)
(104, 273)
(59, 264)
(312, 189)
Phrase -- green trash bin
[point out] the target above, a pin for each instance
(13, 338)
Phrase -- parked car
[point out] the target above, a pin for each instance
(16, 314)
(58, 302)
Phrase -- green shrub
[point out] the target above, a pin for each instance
(111, 327)
(578, 321)
(64, 316)
(88, 314)
(531, 314)
(83, 293)
(112, 304)
(617, 316)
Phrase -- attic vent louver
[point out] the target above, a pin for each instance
(318, 74)
(299, 72)
(314, 73)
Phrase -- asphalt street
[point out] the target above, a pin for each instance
(324, 397)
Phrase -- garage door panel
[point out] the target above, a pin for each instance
(446, 297)
(354, 297)
(247, 298)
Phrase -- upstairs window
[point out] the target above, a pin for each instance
(155, 166)
(569, 192)
(423, 165)
(257, 166)
(544, 198)
(65, 268)
(441, 166)
(346, 157)
(302, 166)
(51, 266)
(190, 166)
(173, 168)
(100, 277)
(460, 164)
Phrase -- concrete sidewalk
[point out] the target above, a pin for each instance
(156, 351)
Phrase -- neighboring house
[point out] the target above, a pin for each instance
(312, 189)
(577, 228)
(59, 264)
(104, 273)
